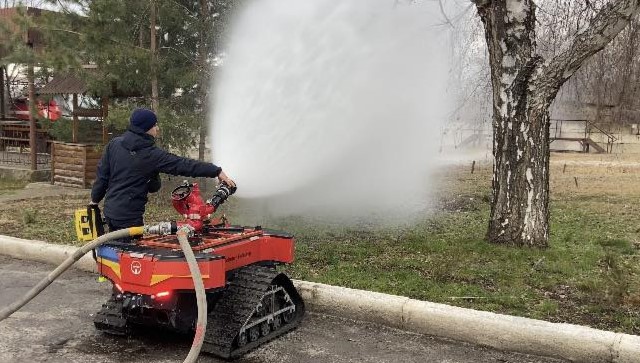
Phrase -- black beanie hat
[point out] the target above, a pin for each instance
(143, 118)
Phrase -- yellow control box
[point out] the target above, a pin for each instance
(88, 223)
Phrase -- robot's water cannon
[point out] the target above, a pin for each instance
(187, 201)
(223, 192)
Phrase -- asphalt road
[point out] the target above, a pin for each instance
(57, 327)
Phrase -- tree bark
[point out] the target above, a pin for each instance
(2, 98)
(6, 84)
(75, 120)
(154, 58)
(32, 117)
(204, 77)
(524, 85)
(630, 55)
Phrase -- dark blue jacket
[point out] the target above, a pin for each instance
(129, 169)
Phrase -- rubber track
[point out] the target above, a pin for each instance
(110, 319)
(245, 291)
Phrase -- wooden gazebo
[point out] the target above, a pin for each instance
(74, 163)
(69, 84)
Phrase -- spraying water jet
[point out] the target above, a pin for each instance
(348, 96)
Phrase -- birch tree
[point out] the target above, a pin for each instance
(524, 86)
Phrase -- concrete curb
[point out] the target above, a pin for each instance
(572, 342)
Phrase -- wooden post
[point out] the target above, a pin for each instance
(74, 130)
(105, 115)
(84, 166)
(586, 129)
(32, 118)
(2, 99)
(6, 84)
(53, 162)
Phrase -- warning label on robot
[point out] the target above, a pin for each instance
(238, 256)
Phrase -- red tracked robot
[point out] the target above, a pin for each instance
(249, 301)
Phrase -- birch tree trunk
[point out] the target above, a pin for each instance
(524, 85)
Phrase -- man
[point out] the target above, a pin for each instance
(130, 167)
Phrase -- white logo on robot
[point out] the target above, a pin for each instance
(136, 267)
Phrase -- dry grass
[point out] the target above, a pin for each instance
(572, 175)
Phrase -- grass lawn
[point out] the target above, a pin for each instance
(8, 186)
(590, 274)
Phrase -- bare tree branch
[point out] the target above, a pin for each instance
(612, 19)
(82, 34)
(444, 14)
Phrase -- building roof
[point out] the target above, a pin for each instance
(64, 84)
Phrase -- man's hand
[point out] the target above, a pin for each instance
(93, 203)
(224, 178)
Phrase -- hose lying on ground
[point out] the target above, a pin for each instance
(201, 297)
(133, 231)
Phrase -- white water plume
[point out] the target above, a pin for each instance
(333, 106)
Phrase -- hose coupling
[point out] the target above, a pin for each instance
(186, 229)
(162, 228)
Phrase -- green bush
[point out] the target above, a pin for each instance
(89, 131)
(178, 130)
(29, 216)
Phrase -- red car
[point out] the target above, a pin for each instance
(45, 110)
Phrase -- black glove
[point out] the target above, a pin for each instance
(155, 183)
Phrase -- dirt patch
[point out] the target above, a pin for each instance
(462, 203)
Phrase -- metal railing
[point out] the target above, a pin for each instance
(582, 131)
(15, 148)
